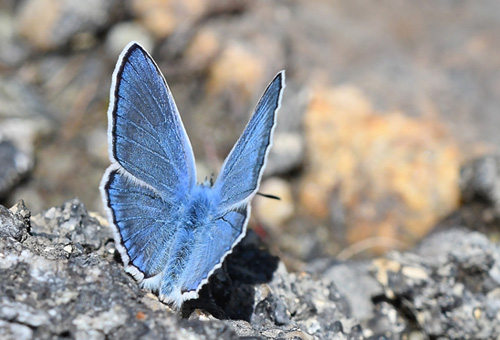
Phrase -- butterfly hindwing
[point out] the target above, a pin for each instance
(212, 246)
(144, 224)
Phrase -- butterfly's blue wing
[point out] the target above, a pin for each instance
(146, 134)
(152, 170)
(144, 224)
(237, 183)
(171, 233)
(240, 175)
(213, 243)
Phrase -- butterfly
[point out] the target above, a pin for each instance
(172, 233)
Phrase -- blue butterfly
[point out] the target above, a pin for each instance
(171, 232)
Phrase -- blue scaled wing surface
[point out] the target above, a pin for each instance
(152, 165)
(234, 188)
(242, 170)
(172, 234)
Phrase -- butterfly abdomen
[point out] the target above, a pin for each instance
(180, 250)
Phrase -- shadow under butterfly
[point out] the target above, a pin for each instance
(172, 233)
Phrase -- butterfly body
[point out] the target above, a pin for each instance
(172, 233)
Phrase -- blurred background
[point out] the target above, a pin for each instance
(384, 103)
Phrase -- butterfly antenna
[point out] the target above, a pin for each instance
(269, 196)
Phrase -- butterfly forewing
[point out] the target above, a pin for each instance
(240, 175)
(148, 139)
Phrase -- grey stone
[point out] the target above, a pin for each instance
(14, 165)
(14, 222)
(447, 286)
(63, 278)
(12, 330)
(59, 275)
(480, 180)
(13, 51)
(23, 118)
(122, 33)
(480, 194)
(288, 151)
(355, 282)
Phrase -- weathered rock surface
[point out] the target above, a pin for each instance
(60, 278)
(449, 285)
(23, 119)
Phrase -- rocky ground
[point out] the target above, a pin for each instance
(386, 141)
(61, 278)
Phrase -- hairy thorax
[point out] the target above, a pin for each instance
(200, 207)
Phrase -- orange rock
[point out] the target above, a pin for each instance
(203, 47)
(274, 213)
(396, 175)
(36, 28)
(162, 17)
(238, 69)
(51, 24)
